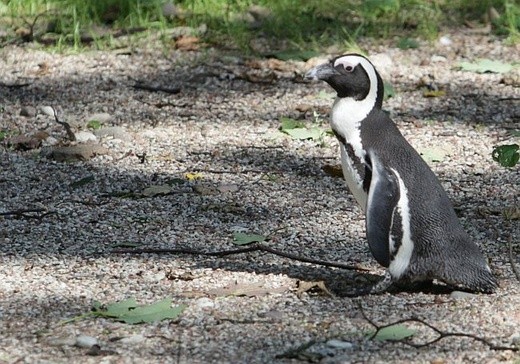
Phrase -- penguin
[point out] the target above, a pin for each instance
(411, 226)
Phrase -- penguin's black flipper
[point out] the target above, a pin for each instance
(383, 196)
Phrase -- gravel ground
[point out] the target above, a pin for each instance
(130, 188)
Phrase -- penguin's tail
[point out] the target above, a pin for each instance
(467, 269)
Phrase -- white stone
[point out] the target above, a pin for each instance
(85, 136)
(84, 341)
(339, 344)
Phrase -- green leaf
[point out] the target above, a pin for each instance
(304, 133)
(486, 65)
(289, 124)
(407, 43)
(433, 154)
(94, 124)
(244, 239)
(3, 134)
(394, 333)
(157, 311)
(507, 155)
(119, 309)
(389, 90)
(82, 182)
(129, 312)
(294, 54)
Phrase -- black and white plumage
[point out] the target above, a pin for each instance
(412, 228)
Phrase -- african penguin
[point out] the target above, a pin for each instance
(412, 228)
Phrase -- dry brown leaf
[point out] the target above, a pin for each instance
(246, 289)
(333, 170)
(187, 43)
(304, 286)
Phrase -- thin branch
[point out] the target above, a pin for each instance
(28, 213)
(249, 249)
(66, 125)
(139, 85)
(441, 334)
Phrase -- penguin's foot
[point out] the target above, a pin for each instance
(383, 285)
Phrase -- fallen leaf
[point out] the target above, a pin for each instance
(333, 170)
(244, 239)
(507, 155)
(187, 43)
(304, 287)
(434, 93)
(394, 333)
(82, 182)
(512, 213)
(433, 154)
(156, 190)
(246, 289)
(129, 312)
(289, 124)
(193, 176)
(486, 65)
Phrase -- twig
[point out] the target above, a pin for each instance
(66, 125)
(441, 334)
(142, 86)
(251, 248)
(27, 213)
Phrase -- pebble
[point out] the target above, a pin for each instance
(134, 339)
(85, 136)
(339, 344)
(116, 132)
(84, 341)
(205, 302)
(28, 111)
(445, 40)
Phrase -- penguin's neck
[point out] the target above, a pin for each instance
(346, 118)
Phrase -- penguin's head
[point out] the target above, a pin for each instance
(351, 76)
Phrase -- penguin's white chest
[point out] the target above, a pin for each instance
(347, 115)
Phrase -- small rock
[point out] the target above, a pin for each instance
(438, 59)
(339, 344)
(438, 361)
(460, 295)
(223, 188)
(515, 338)
(47, 110)
(205, 302)
(28, 111)
(116, 132)
(75, 153)
(445, 41)
(84, 341)
(155, 277)
(85, 136)
(134, 339)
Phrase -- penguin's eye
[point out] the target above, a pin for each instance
(349, 68)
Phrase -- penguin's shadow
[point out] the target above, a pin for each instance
(340, 282)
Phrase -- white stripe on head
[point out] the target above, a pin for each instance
(347, 112)
(401, 260)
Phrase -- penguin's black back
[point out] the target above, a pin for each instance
(442, 249)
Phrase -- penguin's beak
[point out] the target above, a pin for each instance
(321, 72)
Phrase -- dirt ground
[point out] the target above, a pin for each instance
(187, 153)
